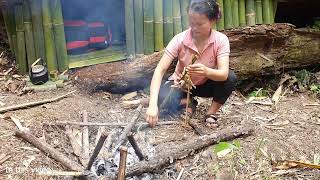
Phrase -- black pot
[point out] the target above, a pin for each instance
(38, 73)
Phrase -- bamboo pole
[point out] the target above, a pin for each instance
(271, 11)
(266, 11)
(49, 38)
(235, 13)
(148, 27)
(138, 28)
(259, 19)
(220, 23)
(242, 13)
(228, 24)
(31, 54)
(21, 46)
(275, 6)
(184, 14)
(250, 13)
(59, 35)
(129, 24)
(167, 21)
(6, 17)
(37, 22)
(158, 25)
(177, 27)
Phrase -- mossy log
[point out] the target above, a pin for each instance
(255, 51)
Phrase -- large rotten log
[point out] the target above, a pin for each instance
(181, 151)
(255, 51)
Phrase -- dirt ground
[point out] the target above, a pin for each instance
(294, 135)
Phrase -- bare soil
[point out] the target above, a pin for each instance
(296, 139)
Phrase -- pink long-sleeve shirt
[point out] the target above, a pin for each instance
(183, 48)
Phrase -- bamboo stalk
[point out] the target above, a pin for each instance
(235, 13)
(250, 13)
(271, 11)
(220, 23)
(138, 28)
(184, 14)
(167, 21)
(177, 27)
(275, 6)
(49, 37)
(242, 13)
(129, 24)
(259, 19)
(59, 35)
(6, 19)
(21, 47)
(148, 27)
(31, 54)
(266, 11)
(12, 26)
(158, 25)
(37, 22)
(228, 24)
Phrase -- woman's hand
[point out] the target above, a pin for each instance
(152, 116)
(197, 69)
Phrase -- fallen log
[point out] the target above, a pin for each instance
(32, 104)
(53, 153)
(181, 151)
(255, 51)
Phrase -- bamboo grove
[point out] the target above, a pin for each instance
(35, 28)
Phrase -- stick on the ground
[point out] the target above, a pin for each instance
(97, 149)
(32, 104)
(111, 124)
(85, 138)
(75, 145)
(180, 174)
(62, 173)
(135, 146)
(185, 149)
(4, 158)
(122, 163)
(127, 129)
(53, 153)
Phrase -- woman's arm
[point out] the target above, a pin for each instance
(219, 74)
(152, 112)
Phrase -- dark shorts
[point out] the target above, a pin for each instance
(218, 90)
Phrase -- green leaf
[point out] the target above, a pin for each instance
(224, 148)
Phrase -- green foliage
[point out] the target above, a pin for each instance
(223, 148)
(303, 77)
(259, 93)
(315, 88)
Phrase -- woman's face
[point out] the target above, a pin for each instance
(200, 24)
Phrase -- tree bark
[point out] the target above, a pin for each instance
(188, 148)
(255, 51)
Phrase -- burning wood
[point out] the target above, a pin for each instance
(135, 146)
(97, 149)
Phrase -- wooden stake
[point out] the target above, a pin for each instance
(32, 104)
(122, 163)
(135, 146)
(45, 147)
(85, 138)
(97, 149)
(75, 145)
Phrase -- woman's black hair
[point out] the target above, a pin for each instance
(210, 8)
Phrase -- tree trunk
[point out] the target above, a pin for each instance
(255, 51)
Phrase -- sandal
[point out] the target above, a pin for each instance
(211, 120)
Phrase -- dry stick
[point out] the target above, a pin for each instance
(61, 173)
(4, 158)
(127, 129)
(97, 149)
(135, 146)
(32, 104)
(180, 174)
(45, 147)
(111, 124)
(75, 145)
(185, 149)
(122, 163)
(85, 138)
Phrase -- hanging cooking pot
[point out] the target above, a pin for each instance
(38, 73)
